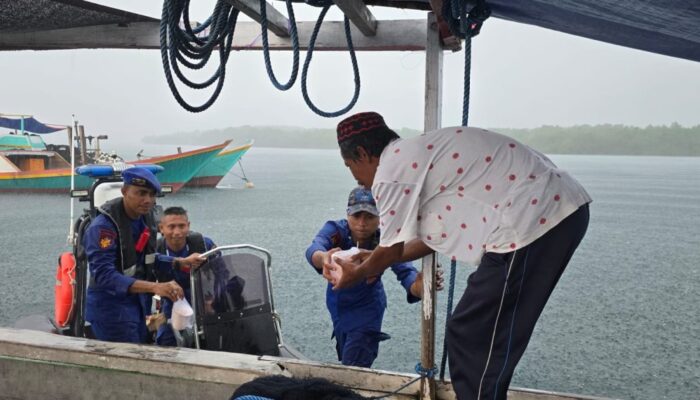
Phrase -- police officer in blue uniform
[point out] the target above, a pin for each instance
(178, 242)
(357, 312)
(120, 248)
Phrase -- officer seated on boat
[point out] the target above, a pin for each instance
(178, 242)
(357, 312)
(120, 246)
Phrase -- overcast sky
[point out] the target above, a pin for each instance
(522, 76)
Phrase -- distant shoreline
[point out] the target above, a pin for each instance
(663, 140)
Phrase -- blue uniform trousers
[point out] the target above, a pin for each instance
(492, 324)
(120, 331)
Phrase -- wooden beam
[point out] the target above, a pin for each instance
(397, 35)
(276, 22)
(449, 41)
(359, 14)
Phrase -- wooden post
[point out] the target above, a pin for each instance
(83, 148)
(433, 111)
(433, 77)
(427, 359)
(69, 130)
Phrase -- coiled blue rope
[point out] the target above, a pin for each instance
(191, 48)
(179, 46)
(426, 372)
(307, 62)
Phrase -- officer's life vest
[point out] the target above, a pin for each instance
(195, 244)
(128, 261)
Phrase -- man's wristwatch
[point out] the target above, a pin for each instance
(180, 266)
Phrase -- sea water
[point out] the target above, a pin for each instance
(623, 322)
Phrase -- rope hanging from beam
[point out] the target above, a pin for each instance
(266, 46)
(307, 63)
(464, 25)
(183, 45)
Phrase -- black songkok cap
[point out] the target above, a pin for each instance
(361, 123)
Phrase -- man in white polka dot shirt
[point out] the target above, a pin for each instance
(478, 197)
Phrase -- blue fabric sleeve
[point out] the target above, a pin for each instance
(406, 274)
(208, 245)
(322, 242)
(101, 247)
(164, 259)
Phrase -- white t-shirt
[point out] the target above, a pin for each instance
(466, 191)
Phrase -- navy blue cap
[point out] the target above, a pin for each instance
(139, 176)
(361, 200)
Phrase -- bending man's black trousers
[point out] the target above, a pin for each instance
(492, 324)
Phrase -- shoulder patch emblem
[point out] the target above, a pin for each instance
(335, 239)
(106, 238)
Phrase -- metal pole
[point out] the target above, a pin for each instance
(71, 231)
(433, 111)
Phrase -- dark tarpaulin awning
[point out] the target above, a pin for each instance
(30, 125)
(669, 27)
(41, 15)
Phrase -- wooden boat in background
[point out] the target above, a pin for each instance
(27, 164)
(181, 167)
(213, 172)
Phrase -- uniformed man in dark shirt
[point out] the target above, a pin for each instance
(357, 312)
(120, 247)
(178, 241)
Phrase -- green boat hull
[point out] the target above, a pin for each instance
(213, 172)
(182, 167)
(48, 182)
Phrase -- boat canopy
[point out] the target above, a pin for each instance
(29, 124)
(24, 142)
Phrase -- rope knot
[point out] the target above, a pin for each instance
(426, 372)
(480, 13)
(462, 22)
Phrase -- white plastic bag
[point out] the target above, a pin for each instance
(344, 255)
(182, 316)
